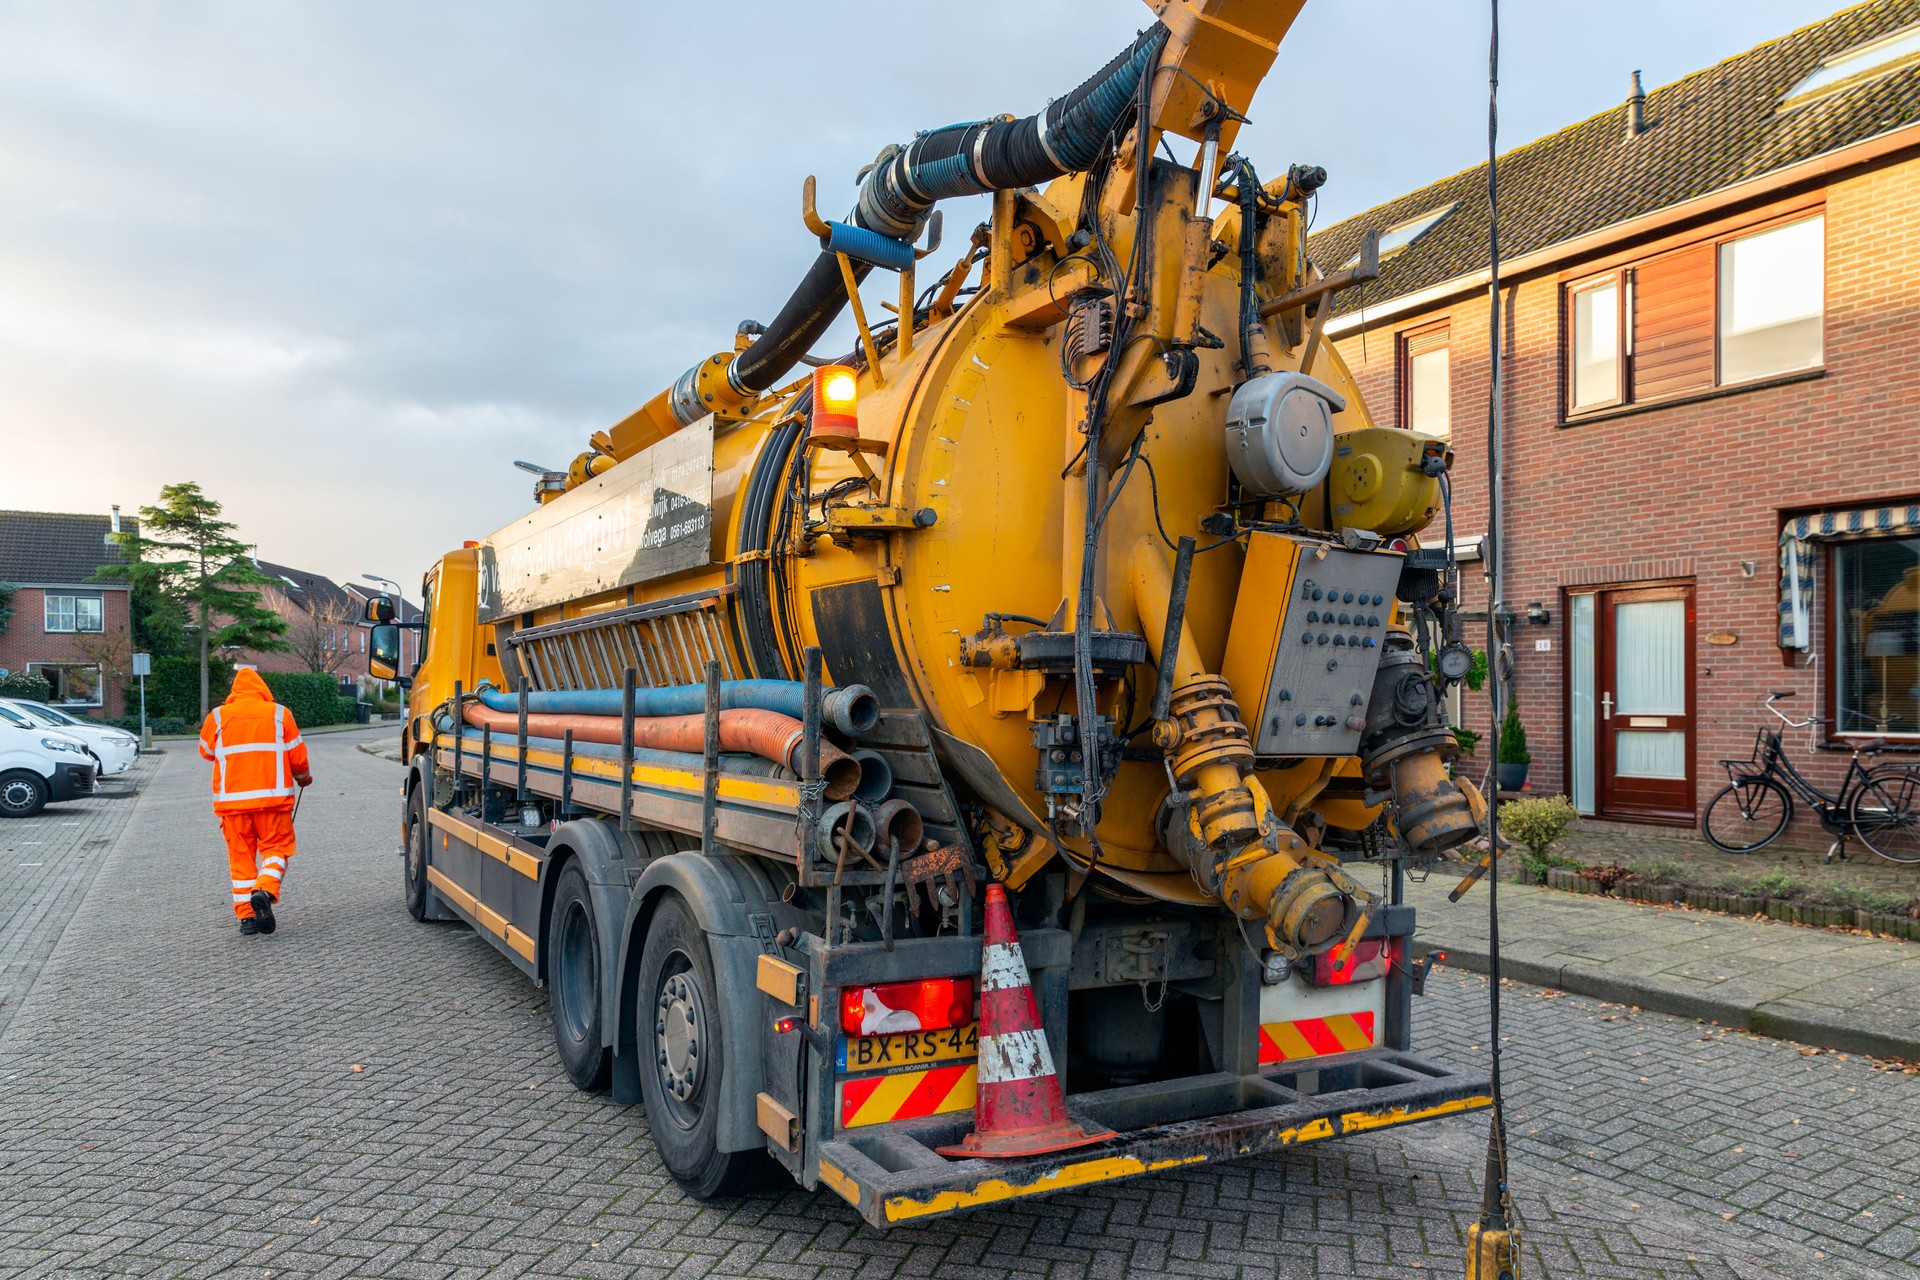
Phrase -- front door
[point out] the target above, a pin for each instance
(1643, 647)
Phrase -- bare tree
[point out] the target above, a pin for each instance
(321, 638)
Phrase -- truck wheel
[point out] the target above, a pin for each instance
(682, 1057)
(416, 860)
(22, 794)
(573, 982)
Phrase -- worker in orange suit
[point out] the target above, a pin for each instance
(258, 762)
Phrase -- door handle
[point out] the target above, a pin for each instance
(1606, 706)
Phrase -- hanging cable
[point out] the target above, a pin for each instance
(1493, 1242)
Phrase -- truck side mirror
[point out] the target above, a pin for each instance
(380, 609)
(383, 649)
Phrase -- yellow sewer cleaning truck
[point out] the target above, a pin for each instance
(1084, 578)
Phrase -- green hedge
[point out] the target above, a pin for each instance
(313, 697)
(173, 690)
(25, 684)
(157, 725)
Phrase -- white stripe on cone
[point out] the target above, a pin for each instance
(1013, 1056)
(1003, 967)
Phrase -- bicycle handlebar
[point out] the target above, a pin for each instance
(1775, 696)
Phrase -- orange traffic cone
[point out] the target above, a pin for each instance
(1019, 1110)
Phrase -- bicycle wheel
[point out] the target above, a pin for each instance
(1885, 813)
(1746, 815)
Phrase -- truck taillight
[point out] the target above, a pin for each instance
(1366, 961)
(836, 394)
(931, 1004)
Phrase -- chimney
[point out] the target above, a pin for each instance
(116, 517)
(1636, 109)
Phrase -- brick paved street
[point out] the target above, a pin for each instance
(179, 1101)
(47, 863)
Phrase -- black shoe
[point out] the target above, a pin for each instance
(263, 910)
(249, 927)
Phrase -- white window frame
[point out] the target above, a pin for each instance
(72, 602)
(1720, 284)
(99, 682)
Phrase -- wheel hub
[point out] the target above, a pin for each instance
(16, 795)
(679, 1029)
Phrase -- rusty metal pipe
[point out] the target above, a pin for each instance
(762, 733)
(899, 821)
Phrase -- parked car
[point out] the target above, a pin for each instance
(38, 765)
(114, 750)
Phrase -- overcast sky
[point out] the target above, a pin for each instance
(342, 262)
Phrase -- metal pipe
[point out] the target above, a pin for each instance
(520, 781)
(626, 749)
(710, 759)
(459, 755)
(852, 709)
(1176, 620)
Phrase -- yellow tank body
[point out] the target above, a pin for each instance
(917, 558)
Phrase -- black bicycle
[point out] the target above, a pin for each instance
(1879, 804)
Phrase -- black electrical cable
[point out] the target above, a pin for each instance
(1496, 1207)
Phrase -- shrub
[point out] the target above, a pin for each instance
(345, 710)
(1536, 824)
(1513, 737)
(25, 684)
(313, 697)
(1779, 884)
(174, 687)
(1467, 739)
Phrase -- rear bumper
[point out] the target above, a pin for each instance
(70, 781)
(892, 1174)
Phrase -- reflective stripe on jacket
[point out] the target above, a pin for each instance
(256, 749)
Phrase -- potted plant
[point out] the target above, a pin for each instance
(1514, 756)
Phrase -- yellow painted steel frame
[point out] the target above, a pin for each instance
(1115, 1165)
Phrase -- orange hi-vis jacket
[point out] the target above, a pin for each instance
(255, 747)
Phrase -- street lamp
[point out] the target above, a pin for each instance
(400, 615)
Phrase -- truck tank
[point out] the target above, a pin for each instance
(980, 512)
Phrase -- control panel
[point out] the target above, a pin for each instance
(1306, 694)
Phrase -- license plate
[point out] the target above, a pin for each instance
(912, 1049)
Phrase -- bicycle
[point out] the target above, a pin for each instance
(1879, 805)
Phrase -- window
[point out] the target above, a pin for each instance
(363, 639)
(1426, 393)
(1876, 636)
(1719, 313)
(1402, 235)
(1864, 62)
(1772, 290)
(74, 684)
(74, 613)
(1595, 363)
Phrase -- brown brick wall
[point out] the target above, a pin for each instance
(1691, 490)
(27, 640)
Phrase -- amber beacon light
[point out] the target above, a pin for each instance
(835, 397)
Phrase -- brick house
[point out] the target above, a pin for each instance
(1711, 313)
(74, 631)
(326, 630)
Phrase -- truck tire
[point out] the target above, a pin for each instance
(22, 793)
(415, 862)
(574, 978)
(679, 1029)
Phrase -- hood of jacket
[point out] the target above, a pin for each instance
(247, 684)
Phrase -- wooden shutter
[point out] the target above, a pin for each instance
(1673, 324)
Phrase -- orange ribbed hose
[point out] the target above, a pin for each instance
(767, 734)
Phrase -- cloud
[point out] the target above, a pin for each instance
(344, 262)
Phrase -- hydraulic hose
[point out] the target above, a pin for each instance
(1067, 136)
(750, 730)
(852, 709)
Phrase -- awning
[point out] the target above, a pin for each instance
(1797, 558)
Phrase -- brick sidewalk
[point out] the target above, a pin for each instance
(1820, 987)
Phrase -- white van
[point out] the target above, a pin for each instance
(114, 749)
(38, 765)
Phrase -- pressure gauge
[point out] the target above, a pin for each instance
(1455, 661)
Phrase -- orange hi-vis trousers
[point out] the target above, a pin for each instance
(259, 842)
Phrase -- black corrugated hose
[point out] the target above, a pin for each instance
(965, 159)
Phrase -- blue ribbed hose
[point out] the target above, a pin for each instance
(852, 709)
